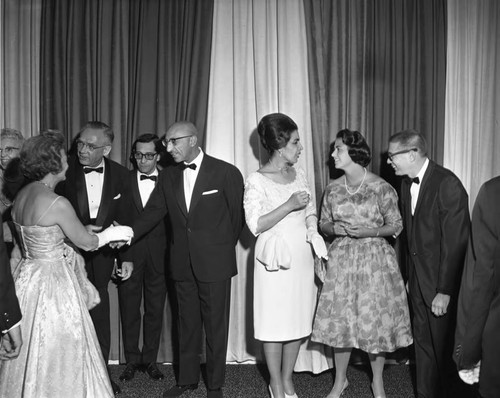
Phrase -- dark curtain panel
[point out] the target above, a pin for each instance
(138, 65)
(377, 67)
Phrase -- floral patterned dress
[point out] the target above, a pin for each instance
(363, 302)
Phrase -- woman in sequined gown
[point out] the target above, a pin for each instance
(279, 210)
(363, 302)
(60, 356)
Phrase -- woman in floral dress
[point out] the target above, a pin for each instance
(363, 302)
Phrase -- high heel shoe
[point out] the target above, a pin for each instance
(294, 395)
(271, 392)
(346, 384)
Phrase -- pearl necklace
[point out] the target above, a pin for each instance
(357, 190)
(45, 184)
(280, 169)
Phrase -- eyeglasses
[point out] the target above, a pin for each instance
(148, 155)
(91, 147)
(391, 155)
(9, 150)
(173, 141)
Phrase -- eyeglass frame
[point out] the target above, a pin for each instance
(390, 155)
(91, 147)
(9, 149)
(173, 140)
(147, 155)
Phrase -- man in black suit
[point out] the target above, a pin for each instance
(148, 256)
(97, 187)
(434, 205)
(477, 337)
(202, 198)
(10, 314)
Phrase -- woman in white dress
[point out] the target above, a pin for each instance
(279, 210)
(60, 356)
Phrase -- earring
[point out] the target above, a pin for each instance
(279, 152)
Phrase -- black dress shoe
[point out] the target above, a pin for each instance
(116, 388)
(129, 372)
(177, 390)
(153, 372)
(214, 393)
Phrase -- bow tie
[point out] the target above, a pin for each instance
(415, 180)
(87, 170)
(191, 166)
(145, 177)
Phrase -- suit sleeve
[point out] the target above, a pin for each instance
(454, 223)
(478, 281)
(10, 313)
(233, 192)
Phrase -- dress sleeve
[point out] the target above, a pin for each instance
(388, 204)
(311, 206)
(254, 201)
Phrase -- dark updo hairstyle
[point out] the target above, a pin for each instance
(275, 130)
(41, 155)
(359, 151)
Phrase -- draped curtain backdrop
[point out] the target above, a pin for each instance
(20, 65)
(137, 65)
(472, 139)
(377, 67)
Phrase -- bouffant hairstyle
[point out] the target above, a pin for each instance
(359, 151)
(41, 155)
(275, 130)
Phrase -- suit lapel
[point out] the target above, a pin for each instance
(107, 194)
(201, 183)
(178, 185)
(136, 195)
(423, 186)
(80, 192)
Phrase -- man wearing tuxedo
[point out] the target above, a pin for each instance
(477, 338)
(10, 313)
(148, 277)
(202, 198)
(97, 188)
(434, 206)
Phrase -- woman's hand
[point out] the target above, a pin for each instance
(298, 200)
(356, 231)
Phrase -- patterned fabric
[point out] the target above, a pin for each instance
(363, 302)
(60, 356)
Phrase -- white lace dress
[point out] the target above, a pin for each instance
(284, 298)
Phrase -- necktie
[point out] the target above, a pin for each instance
(145, 177)
(185, 166)
(87, 170)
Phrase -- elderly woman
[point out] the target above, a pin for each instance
(363, 301)
(279, 210)
(60, 356)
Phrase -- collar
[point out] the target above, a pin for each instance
(197, 160)
(422, 171)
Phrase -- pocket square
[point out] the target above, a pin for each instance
(210, 192)
(117, 196)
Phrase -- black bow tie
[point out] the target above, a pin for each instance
(87, 170)
(191, 166)
(145, 177)
(415, 180)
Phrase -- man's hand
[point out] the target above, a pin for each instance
(125, 271)
(10, 344)
(440, 304)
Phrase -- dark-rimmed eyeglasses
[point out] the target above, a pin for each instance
(173, 141)
(391, 155)
(91, 147)
(147, 155)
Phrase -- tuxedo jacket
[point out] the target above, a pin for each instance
(202, 241)
(10, 314)
(437, 233)
(115, 191)
(155, 241)
(478, 315)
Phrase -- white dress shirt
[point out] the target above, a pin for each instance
(415, 188)
(190, 176)
(94, 182)
(146, 186)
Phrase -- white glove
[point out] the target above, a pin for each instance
(317, 243)
(113, 234)
(470, 376)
